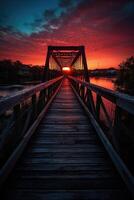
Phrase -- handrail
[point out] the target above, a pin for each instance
(20, 115)
(8, 102)
(91, 105)
(124, 101)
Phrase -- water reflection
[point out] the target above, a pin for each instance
(10, 90)
(110, 107)
(104, 82)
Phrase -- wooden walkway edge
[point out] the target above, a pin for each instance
(65, 159)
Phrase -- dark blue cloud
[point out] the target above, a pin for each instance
(22, 12)
(67, 3)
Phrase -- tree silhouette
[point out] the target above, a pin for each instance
(125, 78)
(17, 72)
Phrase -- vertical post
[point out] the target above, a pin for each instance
(18, 122)
(82, 92)
(117, 128)
(34, 107)
(84, 61)
(86, 76)
(46, 69)
(98, 103)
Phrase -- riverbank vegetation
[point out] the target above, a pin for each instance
(17, 72)
(125, 83)
(125, 76)
(108, 72)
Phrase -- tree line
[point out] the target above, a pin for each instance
(17, 72)
(125, 76)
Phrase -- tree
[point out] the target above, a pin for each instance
(125, 83)
(15, 72)
(125, 77)
(6, 68)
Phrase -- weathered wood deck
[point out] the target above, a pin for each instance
(65, 159)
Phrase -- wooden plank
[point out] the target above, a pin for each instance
(93, 194)
(61, 182)
(65, 167)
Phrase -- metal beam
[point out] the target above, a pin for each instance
(46, 68)
(68, 48)
(65, 54)
(75, 59)
(84, 61)
(56, 60)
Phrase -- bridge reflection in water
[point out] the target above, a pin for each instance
(53, 143)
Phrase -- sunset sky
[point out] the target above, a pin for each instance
(105, 27)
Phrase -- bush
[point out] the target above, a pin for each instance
(125, 77)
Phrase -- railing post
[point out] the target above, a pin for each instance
(90, 102)
(98, 103)
(82, 92)
(117, 128)
(49, 92)
(17, 113)
(34, 107)
(41, 101)
(79, 88)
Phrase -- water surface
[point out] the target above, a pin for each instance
(104, 82)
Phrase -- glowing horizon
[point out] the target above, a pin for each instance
(105, 29)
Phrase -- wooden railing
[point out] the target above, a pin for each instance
(110, 129)
(20, 114)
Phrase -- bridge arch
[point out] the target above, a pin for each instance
(66, 56)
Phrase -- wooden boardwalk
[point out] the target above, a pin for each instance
(65, 159)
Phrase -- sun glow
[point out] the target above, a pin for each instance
(66, 69)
